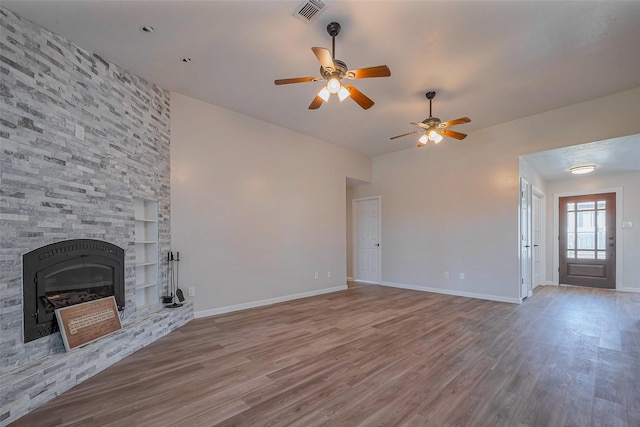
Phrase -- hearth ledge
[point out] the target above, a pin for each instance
(29, 386)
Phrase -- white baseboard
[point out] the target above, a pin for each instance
(454, 292)
(550, 283)
(368, 282)
(260, 303)
(349, 279)
(636, 290)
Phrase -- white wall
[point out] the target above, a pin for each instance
(628, 242)
(531, 175)
(454, 206)
(256, 209)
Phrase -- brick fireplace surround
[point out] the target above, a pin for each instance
(56, 186)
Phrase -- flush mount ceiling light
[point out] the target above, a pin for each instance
(580, 170)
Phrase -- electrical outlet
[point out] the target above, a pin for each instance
(462, 276)
(192, 291)
(446, 274)
(328, 273)
(316, 276)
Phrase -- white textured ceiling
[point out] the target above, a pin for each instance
(491, 61)
(611, 156)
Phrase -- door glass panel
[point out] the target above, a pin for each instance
(586, 205)
(586, 230)
(602, 204)
(571, 254)
(571, 226)
(602, 229)
(586, 255)
(571, 207)
(602, 255)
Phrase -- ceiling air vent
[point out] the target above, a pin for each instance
(308, 10)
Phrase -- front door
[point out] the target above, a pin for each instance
(367, 227)
(587, 241)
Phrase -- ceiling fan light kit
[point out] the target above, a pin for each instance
(434, 129)
(333, 70)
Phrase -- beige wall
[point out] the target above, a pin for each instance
(628, 243)
(454, 207)
(256, 209)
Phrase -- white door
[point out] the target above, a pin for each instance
(537, 233)
(367, 238)
(525, 238)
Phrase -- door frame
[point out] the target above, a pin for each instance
(524, 229)
(542, 197)
(556, 230)
(354, 238)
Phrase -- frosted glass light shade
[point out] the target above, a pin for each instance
(343, 93)
(334, 85)
(324, 94)
(579, 170)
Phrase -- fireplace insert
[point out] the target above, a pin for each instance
(67, 273)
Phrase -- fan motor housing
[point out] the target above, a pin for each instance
(431, 122)
(340, 71)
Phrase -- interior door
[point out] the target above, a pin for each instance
(525, 238)
(587, 240)
(368, 239)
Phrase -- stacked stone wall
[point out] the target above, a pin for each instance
(81, 140)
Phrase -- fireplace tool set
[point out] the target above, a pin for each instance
(172, 278)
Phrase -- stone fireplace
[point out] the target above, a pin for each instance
(82, 140)
(67, 273)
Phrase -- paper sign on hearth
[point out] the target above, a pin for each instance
(82, 323)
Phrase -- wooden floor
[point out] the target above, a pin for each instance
(376, 356)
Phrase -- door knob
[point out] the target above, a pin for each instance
(377, 244)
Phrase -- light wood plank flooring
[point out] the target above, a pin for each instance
(376, 356)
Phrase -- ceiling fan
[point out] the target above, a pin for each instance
(434, 128)
(333, 71)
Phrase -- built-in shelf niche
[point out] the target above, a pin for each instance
(146, 243)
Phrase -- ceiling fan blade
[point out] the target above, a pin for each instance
(316, 103)
(404, 134)
(453, 134)
(296, 80)
(324, 56)
(456, 122)
(422, 125)
(365, 73)
(360, 98)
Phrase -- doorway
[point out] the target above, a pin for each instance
(366, 236)
(587, 240)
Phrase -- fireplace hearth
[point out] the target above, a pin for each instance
(67, 273)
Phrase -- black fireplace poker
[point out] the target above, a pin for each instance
(172, 273)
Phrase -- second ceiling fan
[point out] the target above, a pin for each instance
(433, 128)
(333, 71)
